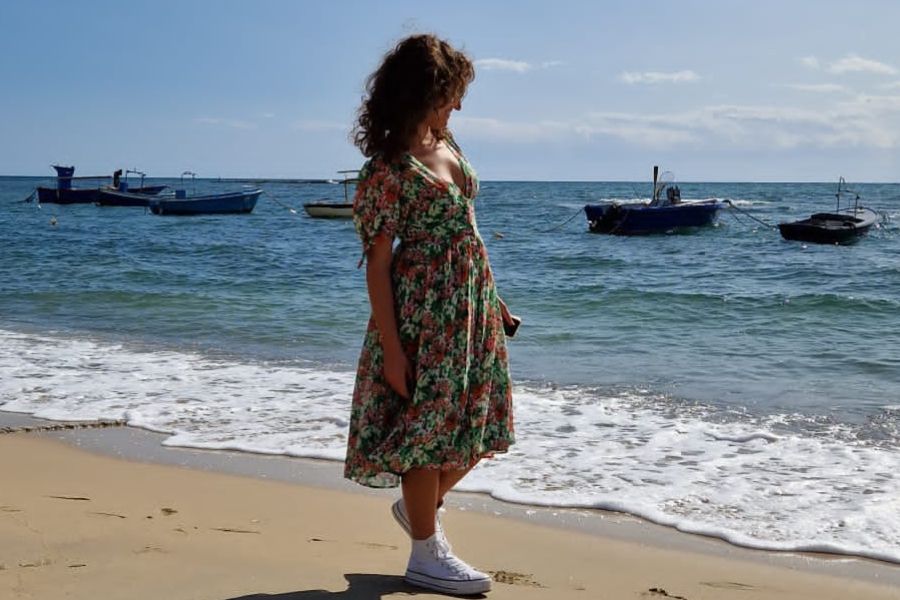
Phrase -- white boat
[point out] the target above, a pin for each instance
(334, 210)
(329, 210)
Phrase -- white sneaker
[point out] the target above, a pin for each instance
(398, 509)
(432, 567)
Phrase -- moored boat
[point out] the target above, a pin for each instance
(329, 210)
(830, 228)
(112, 197)
(241, 202)
(224, 203)
(664, 212)
(334, 210)
(64, 193)
(642, 219)
(843, 226)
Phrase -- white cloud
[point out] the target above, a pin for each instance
(518, 66)
(864, 121)
(653, 77)
(224, 122)
(809, 61)
(821, 88)
(856, 64)
(502, 64)
(894, 85)
(510, 131)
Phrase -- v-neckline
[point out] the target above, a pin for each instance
(432, 175)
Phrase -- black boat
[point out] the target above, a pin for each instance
(838, 227)
(64, 193)
(122, 194)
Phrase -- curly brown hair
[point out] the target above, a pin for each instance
(420, 74)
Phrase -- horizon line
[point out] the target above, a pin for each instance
(332, 181)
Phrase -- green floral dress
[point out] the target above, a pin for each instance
(448, 317)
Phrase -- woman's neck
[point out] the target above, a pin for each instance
(424, 138)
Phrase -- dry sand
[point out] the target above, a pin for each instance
(78, 525)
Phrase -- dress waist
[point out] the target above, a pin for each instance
(433, 244)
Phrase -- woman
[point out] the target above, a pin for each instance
(433, 393)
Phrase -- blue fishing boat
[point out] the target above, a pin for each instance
(664, 212)
(209, 204)
(223, 203)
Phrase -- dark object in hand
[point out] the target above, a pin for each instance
(510, 327)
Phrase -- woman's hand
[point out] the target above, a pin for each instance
(505, 314)
(397, 372)
(510, 321)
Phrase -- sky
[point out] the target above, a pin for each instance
(565, 90)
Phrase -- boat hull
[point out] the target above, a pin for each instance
(644, 219)
(329, 210)
(47, 195)
(830, 228)
(211, 204)
(136, 197)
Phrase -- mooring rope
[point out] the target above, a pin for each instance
(279, 202)
(748, 214)
(566, 222)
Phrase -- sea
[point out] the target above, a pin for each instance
(720, 381)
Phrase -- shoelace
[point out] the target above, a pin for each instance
(441, 538)
(456, 564)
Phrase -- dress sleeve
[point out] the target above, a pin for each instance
(376, 204)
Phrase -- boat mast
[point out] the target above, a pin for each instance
(837, 205)
(655, 190)
(347, 181)
(842, 181)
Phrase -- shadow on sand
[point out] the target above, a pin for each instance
(360, 586)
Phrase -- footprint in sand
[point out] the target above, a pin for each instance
(38, 563)
(728, 585)
(513, 578)
(150, 549)
(376, 546)
(231, 530)
(660, 592)
(106, 514)
(69, 498)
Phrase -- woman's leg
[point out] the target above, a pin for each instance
(447, 480)
(420, 497)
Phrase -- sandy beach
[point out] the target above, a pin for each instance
(78, 524)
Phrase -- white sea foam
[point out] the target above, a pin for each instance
(745, 201)
(757, 482)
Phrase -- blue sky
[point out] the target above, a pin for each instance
(725, 90)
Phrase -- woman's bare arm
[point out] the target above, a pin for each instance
(381, 296)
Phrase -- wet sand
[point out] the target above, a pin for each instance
(191, 524)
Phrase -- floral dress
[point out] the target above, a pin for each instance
(450, 327)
